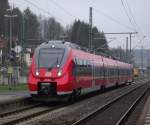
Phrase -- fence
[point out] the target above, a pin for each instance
(11, 75)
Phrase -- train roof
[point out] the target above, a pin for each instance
(60, 43)
(64, 44)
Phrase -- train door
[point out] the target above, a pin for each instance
(103, 73)
(120, 75)
(117, 73)
(93, 74)
(75, 69)
(107, 74)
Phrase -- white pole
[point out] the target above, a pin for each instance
(1, 55)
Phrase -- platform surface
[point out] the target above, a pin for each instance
(13, 95)
(144, 118)
(147, 112)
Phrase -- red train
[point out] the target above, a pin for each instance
(62, 70)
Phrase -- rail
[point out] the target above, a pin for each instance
(107, 105)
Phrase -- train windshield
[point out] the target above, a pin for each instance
(49, 58)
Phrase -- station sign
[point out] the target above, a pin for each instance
(18, 49)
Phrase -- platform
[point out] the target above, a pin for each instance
(145, 114)
(6, 97)
(13, 99)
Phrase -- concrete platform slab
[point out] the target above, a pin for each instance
(145, 115)
(6, 97)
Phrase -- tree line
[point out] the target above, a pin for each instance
(30, 29)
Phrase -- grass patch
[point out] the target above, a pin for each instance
(18, 87)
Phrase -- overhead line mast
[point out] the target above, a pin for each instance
(90, 27)
(130, 36)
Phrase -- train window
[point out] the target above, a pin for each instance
(124, 71)
(102, 71)
(108, 72)
(79, 63)
(84, 63)
(112, 72)
(115, 71)
(120, 72)
(75, 61)
(130, 71)
(89, 63)
(105, 71)
(49, 58)
(99, 71)
(74, 67)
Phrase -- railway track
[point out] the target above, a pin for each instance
(26, 113)
(23, 114)
(105, 115)
(21, 109)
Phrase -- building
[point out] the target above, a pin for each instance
(141, 58)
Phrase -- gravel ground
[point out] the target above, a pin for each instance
(22, 114)
(111, 115)
(134, 116)
(71, 113)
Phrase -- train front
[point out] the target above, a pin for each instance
(48, 77)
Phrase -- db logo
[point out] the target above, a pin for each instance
(48, 74)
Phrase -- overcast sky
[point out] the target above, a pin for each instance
(108, 16)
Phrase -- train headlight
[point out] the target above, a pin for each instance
(37, 73)
(59, 73)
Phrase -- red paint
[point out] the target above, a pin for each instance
(67, 82)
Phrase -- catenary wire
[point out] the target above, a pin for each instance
(126, 12)
(112, 19)
(42, 10)
(62, 8)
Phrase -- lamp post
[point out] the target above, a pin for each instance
(10, 29)
(10, 68)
